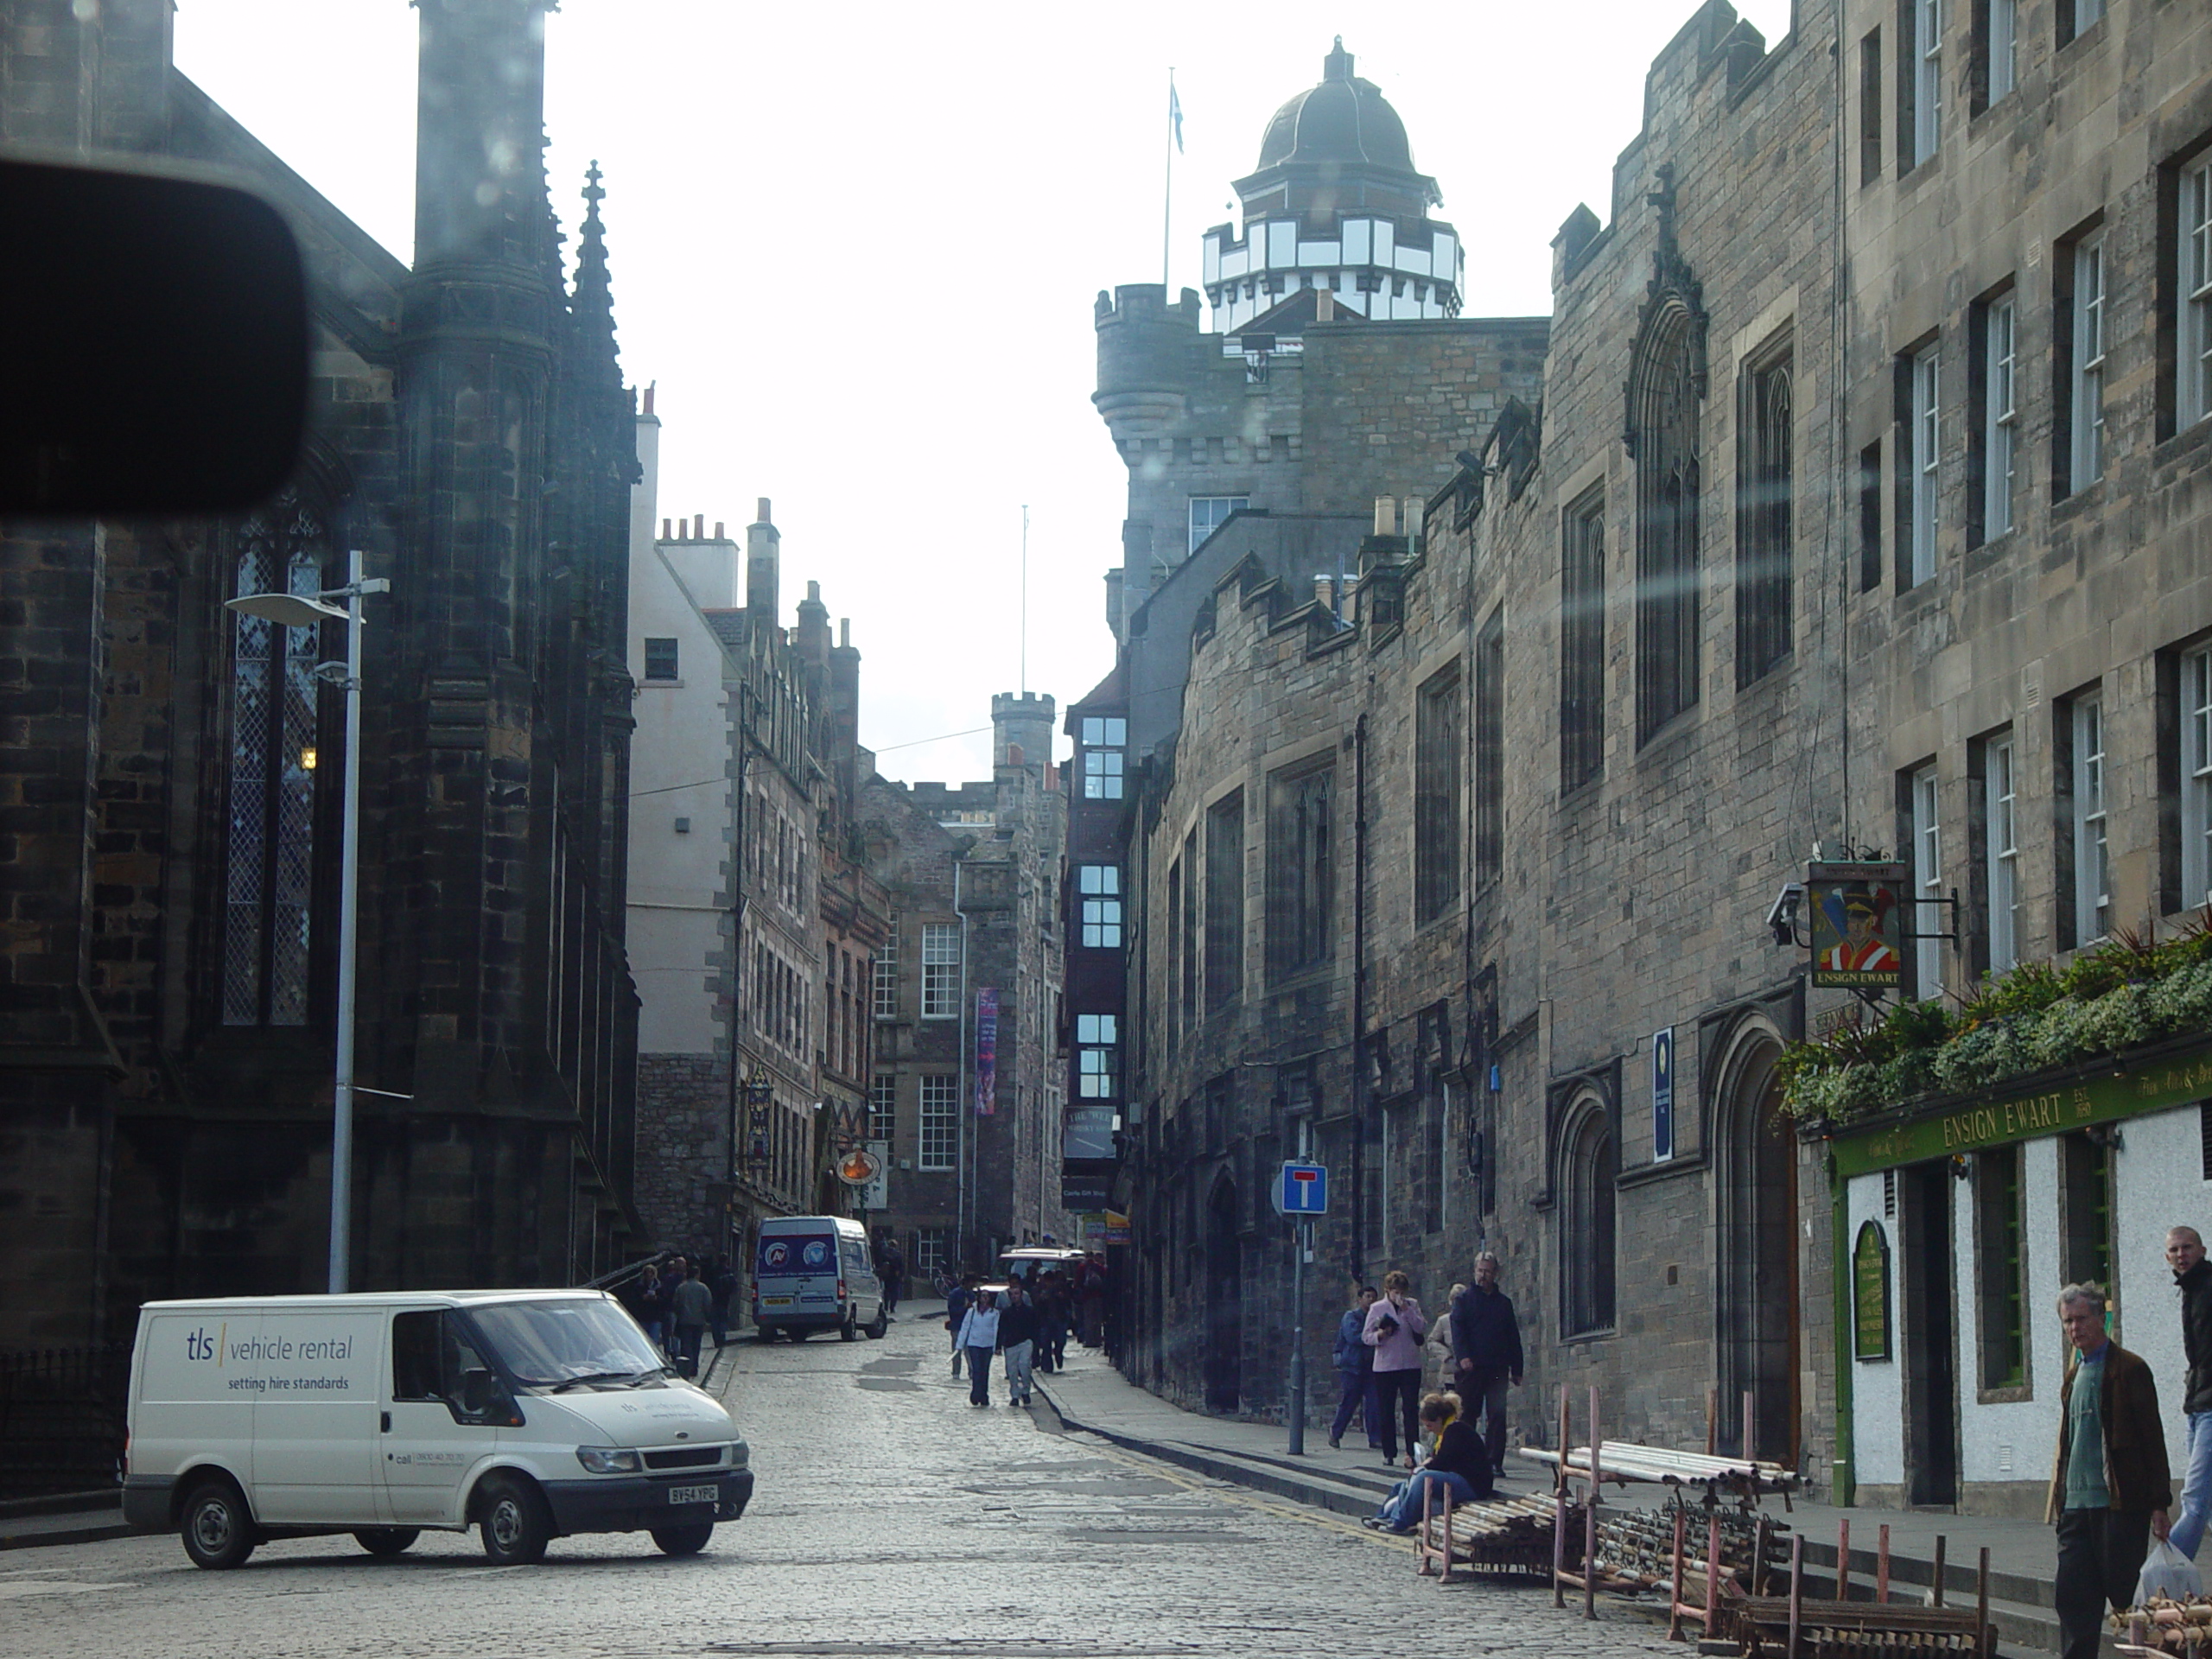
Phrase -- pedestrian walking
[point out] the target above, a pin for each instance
(1393, 1328)
(691, 1307)
(893, 1276)
(653, 1304)
(1486, 1349)
(1356, 1370)
(2193, 1278)
(1018, 1341)
(2110, 1486)
(1053, 1321)
(1436, 1366)
(1457, 1463)
(721, 1281)
(1090, 1301)
(979, 1339)
(957, 1300)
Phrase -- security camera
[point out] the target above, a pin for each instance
(1782, 919)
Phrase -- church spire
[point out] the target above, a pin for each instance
(593, 300)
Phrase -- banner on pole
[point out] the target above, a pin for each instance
(987, 1051)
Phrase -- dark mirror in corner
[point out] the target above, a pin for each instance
(157, 360)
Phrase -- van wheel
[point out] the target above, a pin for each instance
(511, 1518)
(850, 1330)
(387, 1541)
(880, 1324)
(215, 1525)
(683, 1541)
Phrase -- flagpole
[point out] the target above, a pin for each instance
(1167, 192)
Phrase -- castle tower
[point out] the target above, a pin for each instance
(1336, 205)
(1022, 724)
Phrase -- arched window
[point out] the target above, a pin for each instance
(1664, 412)
(1586, 1223)
(270, 858)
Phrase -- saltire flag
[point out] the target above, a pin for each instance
(1175, 114)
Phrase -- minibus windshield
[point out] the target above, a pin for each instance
(546, 1343)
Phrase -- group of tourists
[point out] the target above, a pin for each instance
(1380, 1353)
(1029, 1322)
(2111, 1489)
(679, 1302)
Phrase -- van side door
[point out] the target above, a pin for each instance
(313, 1378)
(442, 1414)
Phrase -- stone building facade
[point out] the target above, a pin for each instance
(170, 818)
(1832, 525)
(753, 926)
(969, 1087)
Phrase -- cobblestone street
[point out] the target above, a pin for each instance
(891, 1517)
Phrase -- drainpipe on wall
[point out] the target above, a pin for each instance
(964, 1155)
(1359, 997)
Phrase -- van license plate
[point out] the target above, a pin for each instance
(776, 1301)
(694, 1495)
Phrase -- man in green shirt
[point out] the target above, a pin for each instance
(2110, 1488)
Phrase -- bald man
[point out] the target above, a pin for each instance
(2193, 1278)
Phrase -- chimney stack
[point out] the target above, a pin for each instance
(666, 526)
(719, 536)
(763, 566)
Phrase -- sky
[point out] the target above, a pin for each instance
(857, 248)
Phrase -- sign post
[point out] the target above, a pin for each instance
(1301, 1194)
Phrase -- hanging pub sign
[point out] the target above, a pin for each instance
(1857, 910)
(1870, 1294)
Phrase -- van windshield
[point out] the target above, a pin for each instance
(784, 1253)
(543, 1343)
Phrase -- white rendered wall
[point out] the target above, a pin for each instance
(679, 762)
(1877, 1385)
(2011, 1440)
(2157, 1178)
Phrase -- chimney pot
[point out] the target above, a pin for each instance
(699, 528)
(718, 531)
(666, 526)
(844, 633)
(1386, 515)
(761, 516)
(649, 398)
(814, 593)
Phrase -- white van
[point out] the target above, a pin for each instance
(813, 1273)
(529, 1413)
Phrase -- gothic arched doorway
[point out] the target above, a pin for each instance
(1224, 1301)
(1756, 1325)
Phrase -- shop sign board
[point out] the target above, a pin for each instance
(2002, 1119)
(1870, 1294)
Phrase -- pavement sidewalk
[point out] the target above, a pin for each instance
(66, 1518)
(1090, 1396)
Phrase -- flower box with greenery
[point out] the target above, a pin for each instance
(2132, 989)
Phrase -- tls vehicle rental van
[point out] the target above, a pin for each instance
(529, 1414)
(813, 1273)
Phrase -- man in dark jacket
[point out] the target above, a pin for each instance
(1355, 1371)
(2193, 1278)
(2110, 1488)
(1486, 1343)
(1018, 1342)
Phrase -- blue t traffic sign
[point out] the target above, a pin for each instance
(1303, 1190)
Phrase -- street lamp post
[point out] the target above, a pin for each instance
(300, 611)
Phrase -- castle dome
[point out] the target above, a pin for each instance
(1345, 121)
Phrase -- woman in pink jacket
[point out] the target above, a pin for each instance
(1394, 1330)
